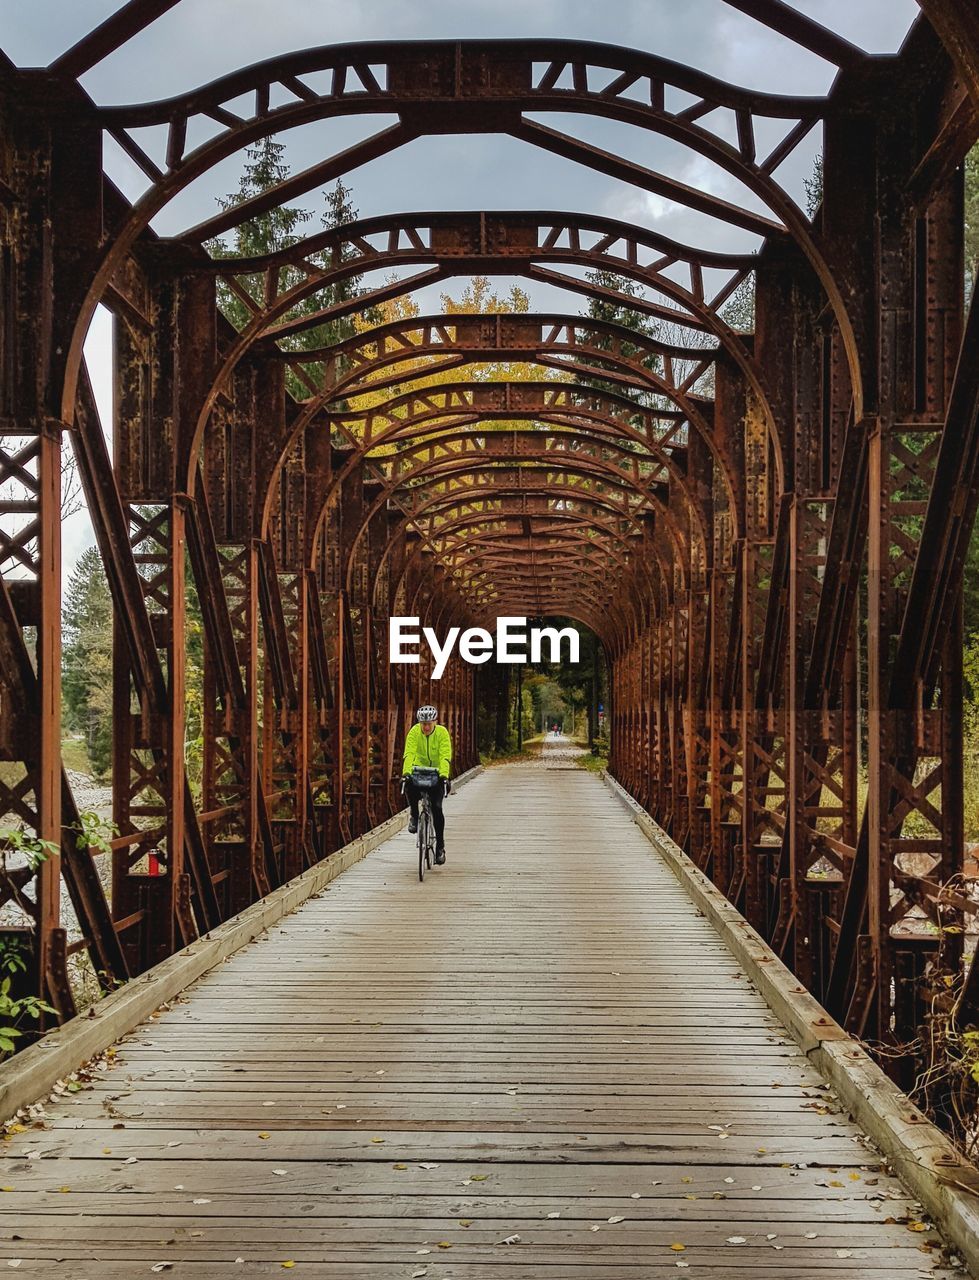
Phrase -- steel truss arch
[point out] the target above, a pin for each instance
(525, 337)
(507, 78)
(592, 429)
(445, 470)
(461, 243)
(772, 556)
(503, 247)
(589, 501)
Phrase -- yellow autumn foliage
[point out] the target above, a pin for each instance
(428, 371)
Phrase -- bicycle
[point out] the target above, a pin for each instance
(425, 780)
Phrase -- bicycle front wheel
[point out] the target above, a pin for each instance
(425, 837)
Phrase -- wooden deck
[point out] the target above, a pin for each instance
(542, 1063)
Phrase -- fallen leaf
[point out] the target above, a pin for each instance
(678, 1248)
(613, 1220)
(265, 1135)
(736, 1240)
(202, 1200)
(287, 1264)
(510, 1240)
(162, 1266)
(280, 1173)
(445, 1244)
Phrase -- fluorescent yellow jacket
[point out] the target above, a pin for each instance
(433, 751)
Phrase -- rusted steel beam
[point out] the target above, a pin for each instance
(710, 513)
(615, 166)
(110, 35)
(958, 26)
(802, 30)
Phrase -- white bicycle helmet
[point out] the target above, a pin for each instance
(425, 714)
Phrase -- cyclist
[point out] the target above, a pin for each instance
(428, 746)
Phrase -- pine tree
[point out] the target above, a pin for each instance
(268, 233)
(612, 311)
(340, 212)
(739, 310)
(87, 658)
(814, 187)
(971, 220)
(280, 228)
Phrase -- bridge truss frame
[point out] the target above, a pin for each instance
(767, 531)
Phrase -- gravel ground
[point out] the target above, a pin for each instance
(90, 795)
(560, 752)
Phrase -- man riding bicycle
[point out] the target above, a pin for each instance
(428, 746)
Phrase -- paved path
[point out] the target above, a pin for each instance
(541, 1064)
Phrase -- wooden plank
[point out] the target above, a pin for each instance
(546, 1023)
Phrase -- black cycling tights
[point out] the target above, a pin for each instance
(435, 796)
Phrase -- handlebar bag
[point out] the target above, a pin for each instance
(429, 779)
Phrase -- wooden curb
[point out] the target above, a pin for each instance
(31, 1074)
(924, 1159)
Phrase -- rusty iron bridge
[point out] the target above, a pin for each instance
(766, 530)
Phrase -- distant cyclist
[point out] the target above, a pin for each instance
(428, 746)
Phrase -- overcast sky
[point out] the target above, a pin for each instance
(200, 40)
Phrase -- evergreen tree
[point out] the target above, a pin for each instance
(971, 220)
(87, 658)
(280, 228)
(613, 311)
(814, 187)
(739, 310)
